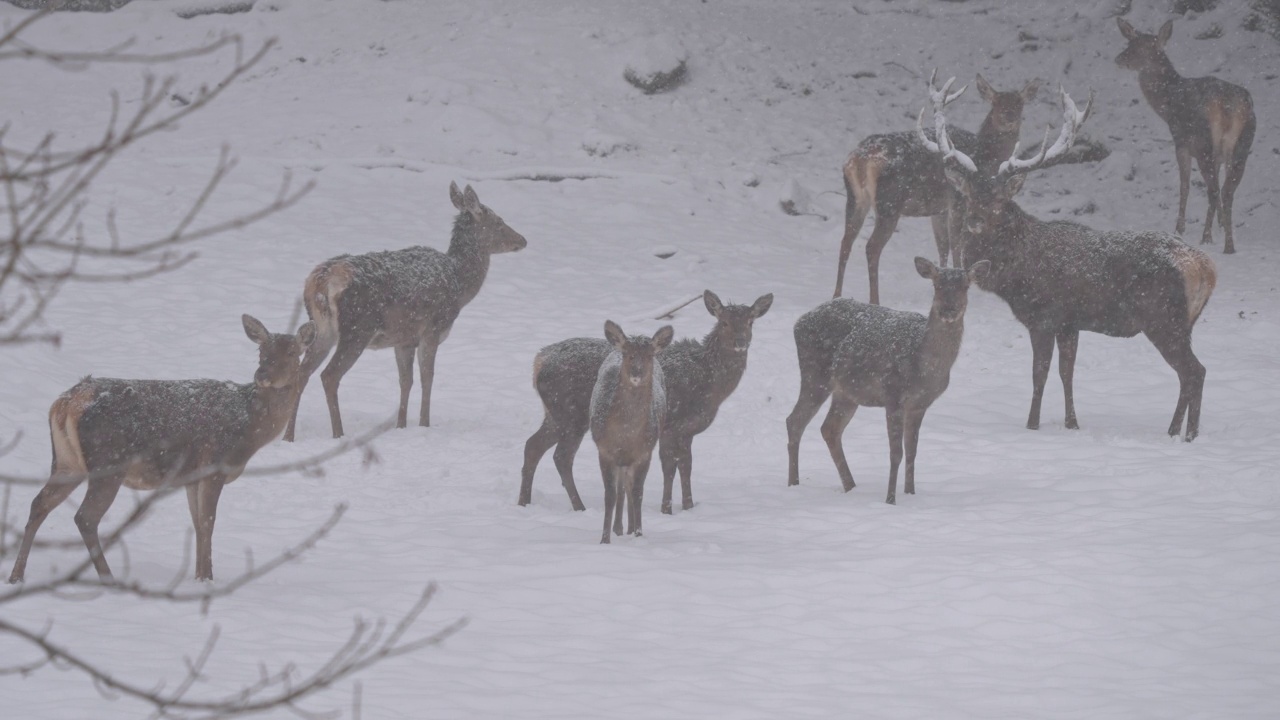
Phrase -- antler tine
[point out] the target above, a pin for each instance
(943, 145)
(1072, 119)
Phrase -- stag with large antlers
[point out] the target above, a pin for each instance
(1211, 121)
(1060, 278)
(895, 175)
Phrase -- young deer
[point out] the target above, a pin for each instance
(406, 299)
(699, 377)
(1211, 120)
(1060, 278)
(628, 405)
(147, 434)
(896, 175)
(900, 361)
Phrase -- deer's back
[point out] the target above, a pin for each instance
(400, 292)
(1207, 109)
(875, 359)
(565, 374)
(161, 427)
(819, 332)
(1115, 283)
(910, 177)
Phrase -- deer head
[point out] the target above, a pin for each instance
(279, 354)
(1143, 50)
(951, 286)
(1006, 107)
(491, 232)
(733, 322)
(638, 352)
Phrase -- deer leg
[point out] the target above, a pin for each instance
(205, 512)
(1175, 348)
(638, 471)
(854, 216)
(50, 496)
(886, 222)
(315, 355)
(427, 367)
(404, 364)
(1068, 342)
(566, 449)
(911, 440)
(621, 488)
(1209, 171)
(1041, 357)
(1235, 172)
(893, 417)
(685, 463)
(350, 345)
(668, 448)
(838, 417)
(534, 448)
(812, 394)
(101, 493)
(1183, 155)
(941, 238)
(607, 471)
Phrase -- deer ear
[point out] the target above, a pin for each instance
(470, 201)
(979, 270)
(254, 328)
(761, 305)
(1126, 29)
(712, 301)
(1030, 89)
(662, 338)
(958, 179)
(455, 195)
(1166, 31)
(926, 268)
(985, 89)
(306, 334)
(1012, 186)
(613, 333)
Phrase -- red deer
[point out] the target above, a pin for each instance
(146, 434)
(404, 299)
(869, 355)
(1060, 278)
(699, 377)
(1211, 120)
(895, 175)
(628, 405)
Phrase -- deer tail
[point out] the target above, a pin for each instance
(1199, 277)
(64, 428)
(323, 291)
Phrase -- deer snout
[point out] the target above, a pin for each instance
(516, 241)
(975, 225)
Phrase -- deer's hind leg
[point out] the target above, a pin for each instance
(1183, 154)
(1175, 348)
(315, 355)
(838, 417)
(886, 223)
(566, 450)
(97, 499)
(534, 448)
(1208, 163)
(50, 496)
(1236, 156)
(813, 392)
(351, 343)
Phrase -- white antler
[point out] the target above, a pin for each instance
(1072, 119)
(943, 146)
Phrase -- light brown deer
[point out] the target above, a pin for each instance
(869, 355)
(147, 434)
(1060, 278)
(895, 175)
(628, 406)
(1211, 120)
(404, 299)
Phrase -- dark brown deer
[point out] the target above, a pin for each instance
(700, 376)
(404, 299)
(871, 355)
(1211, 120)
(628, 405)
(1060, 278)
(895, 175)
(148, 434)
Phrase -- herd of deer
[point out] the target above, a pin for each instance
(635, 393)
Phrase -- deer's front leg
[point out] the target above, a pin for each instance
(205, 512)
(1041, 357)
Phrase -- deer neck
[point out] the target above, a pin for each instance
(1011, 236)
(1158, 81)
(725, 363)
(940, 346)
(269, 411)
(471, 262)
(994, 143)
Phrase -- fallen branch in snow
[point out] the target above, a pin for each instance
(670, 313)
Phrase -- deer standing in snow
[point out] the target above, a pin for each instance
(628, 404)
(1211, 120)
(1060, 278)
(897, 176)
(700, 376)
(147, 434)
(898, 360)
(404, 299)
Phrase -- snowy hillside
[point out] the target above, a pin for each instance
(1107, 572)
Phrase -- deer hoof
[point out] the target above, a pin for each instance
(1072, 424)
(891, 500)
(666, 509)
(687, 505)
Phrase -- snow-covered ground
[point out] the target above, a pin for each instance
(1110, 572)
